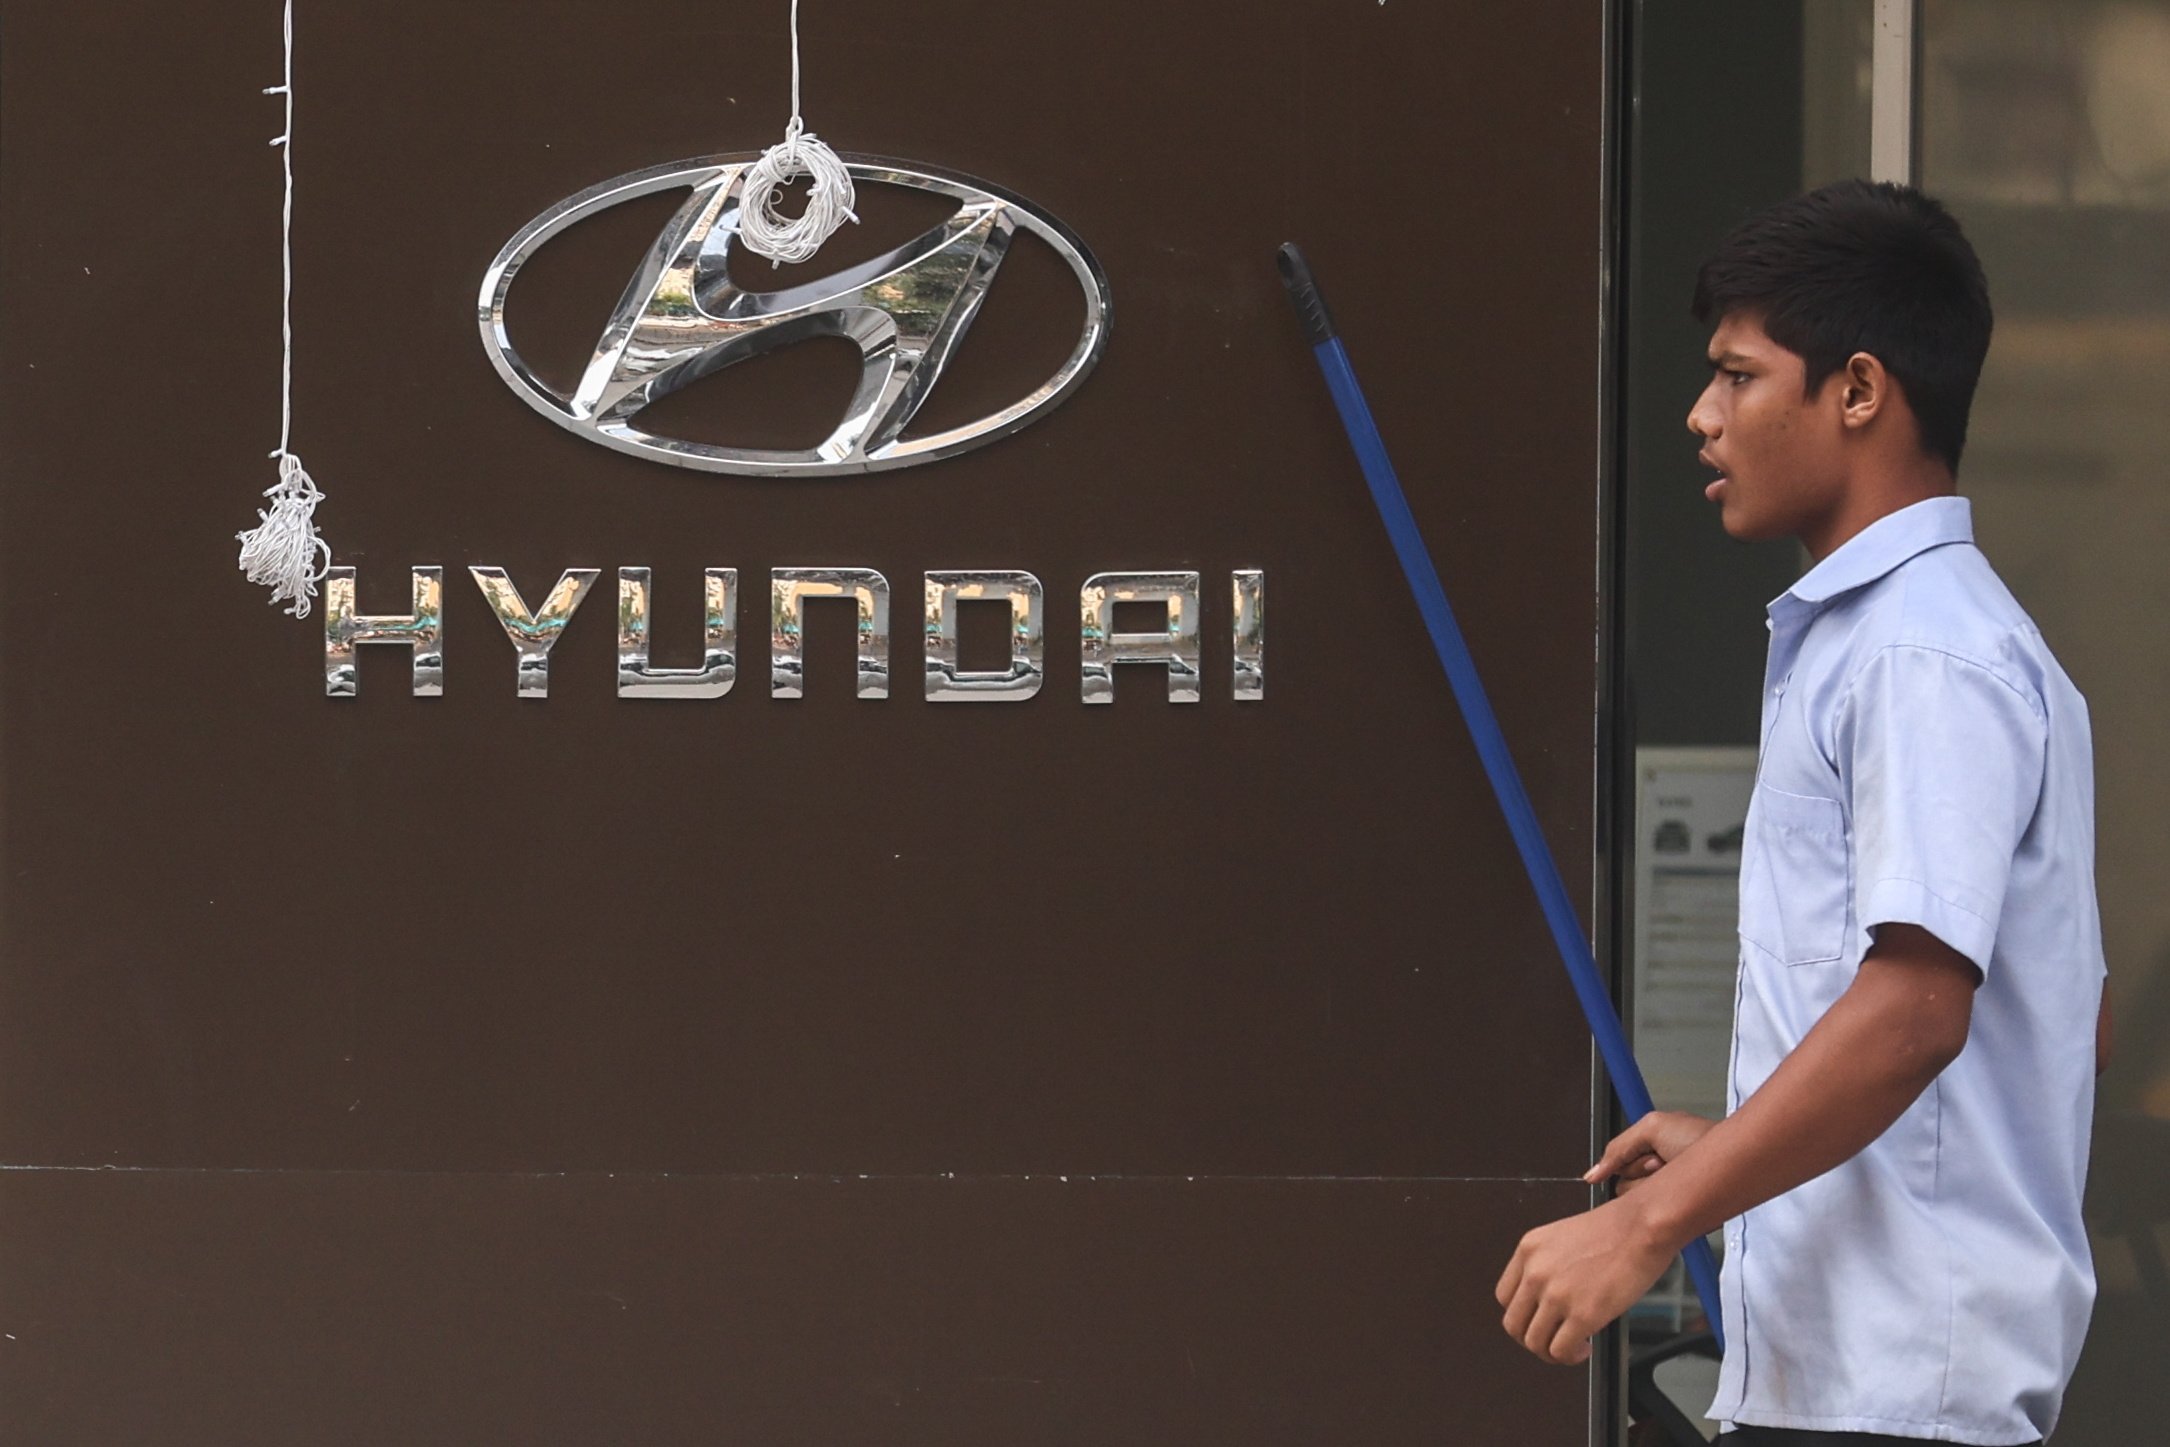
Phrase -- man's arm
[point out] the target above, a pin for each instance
(1875, 1050)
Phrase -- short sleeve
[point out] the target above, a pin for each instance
(1942, 763)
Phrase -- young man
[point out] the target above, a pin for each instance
(1918, 1020)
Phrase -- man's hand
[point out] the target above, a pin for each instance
(1637, 1152)
(1901, 1021)
(1569, 1280)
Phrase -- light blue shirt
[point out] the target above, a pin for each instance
(1924, 760)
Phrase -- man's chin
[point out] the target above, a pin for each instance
(1743, 526)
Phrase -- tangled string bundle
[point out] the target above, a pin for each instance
(283, 551)
(764, 228)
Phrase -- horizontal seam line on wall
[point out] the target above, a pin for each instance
(1070, 1177)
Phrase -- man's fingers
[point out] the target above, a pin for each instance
(1520, 1310)
(1570, 1344)
(1543, 1326)
(1624, 1147)
(1662, 1133)
(1509, 1279)
(1638, 1171)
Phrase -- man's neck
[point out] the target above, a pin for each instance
(1875, 496)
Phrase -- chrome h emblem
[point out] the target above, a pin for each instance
(683, 318)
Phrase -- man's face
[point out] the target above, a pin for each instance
(1778, 450)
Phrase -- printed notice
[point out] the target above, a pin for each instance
(1691, 806)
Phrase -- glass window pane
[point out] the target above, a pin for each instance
(2045, 126)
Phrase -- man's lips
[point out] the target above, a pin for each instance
(1711, 492)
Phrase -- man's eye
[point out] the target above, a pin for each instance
(1736, 378)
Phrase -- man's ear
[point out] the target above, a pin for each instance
(1864, 388)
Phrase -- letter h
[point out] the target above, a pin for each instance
(423, 630)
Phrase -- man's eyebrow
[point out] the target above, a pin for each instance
(1727, 359)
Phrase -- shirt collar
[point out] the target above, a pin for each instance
(1880, 547)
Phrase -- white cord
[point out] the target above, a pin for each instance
(283, 551)
(767, 231)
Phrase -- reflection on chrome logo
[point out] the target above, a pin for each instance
(536, 629)
(682, 318)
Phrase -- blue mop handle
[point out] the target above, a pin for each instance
(1454, 656)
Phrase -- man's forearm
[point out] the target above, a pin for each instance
(1870, 1056)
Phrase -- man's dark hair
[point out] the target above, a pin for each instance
(1862, 266)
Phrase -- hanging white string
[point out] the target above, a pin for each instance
(283, 551)
(766, 230)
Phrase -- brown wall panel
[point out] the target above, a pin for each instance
(246, 927)
(292, 1307)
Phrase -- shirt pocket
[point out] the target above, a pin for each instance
(1793, 877)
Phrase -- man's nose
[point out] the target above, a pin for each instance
(1703, 418)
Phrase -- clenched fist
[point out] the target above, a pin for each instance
(1571, 1279)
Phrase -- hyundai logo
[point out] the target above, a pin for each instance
(682, 318)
